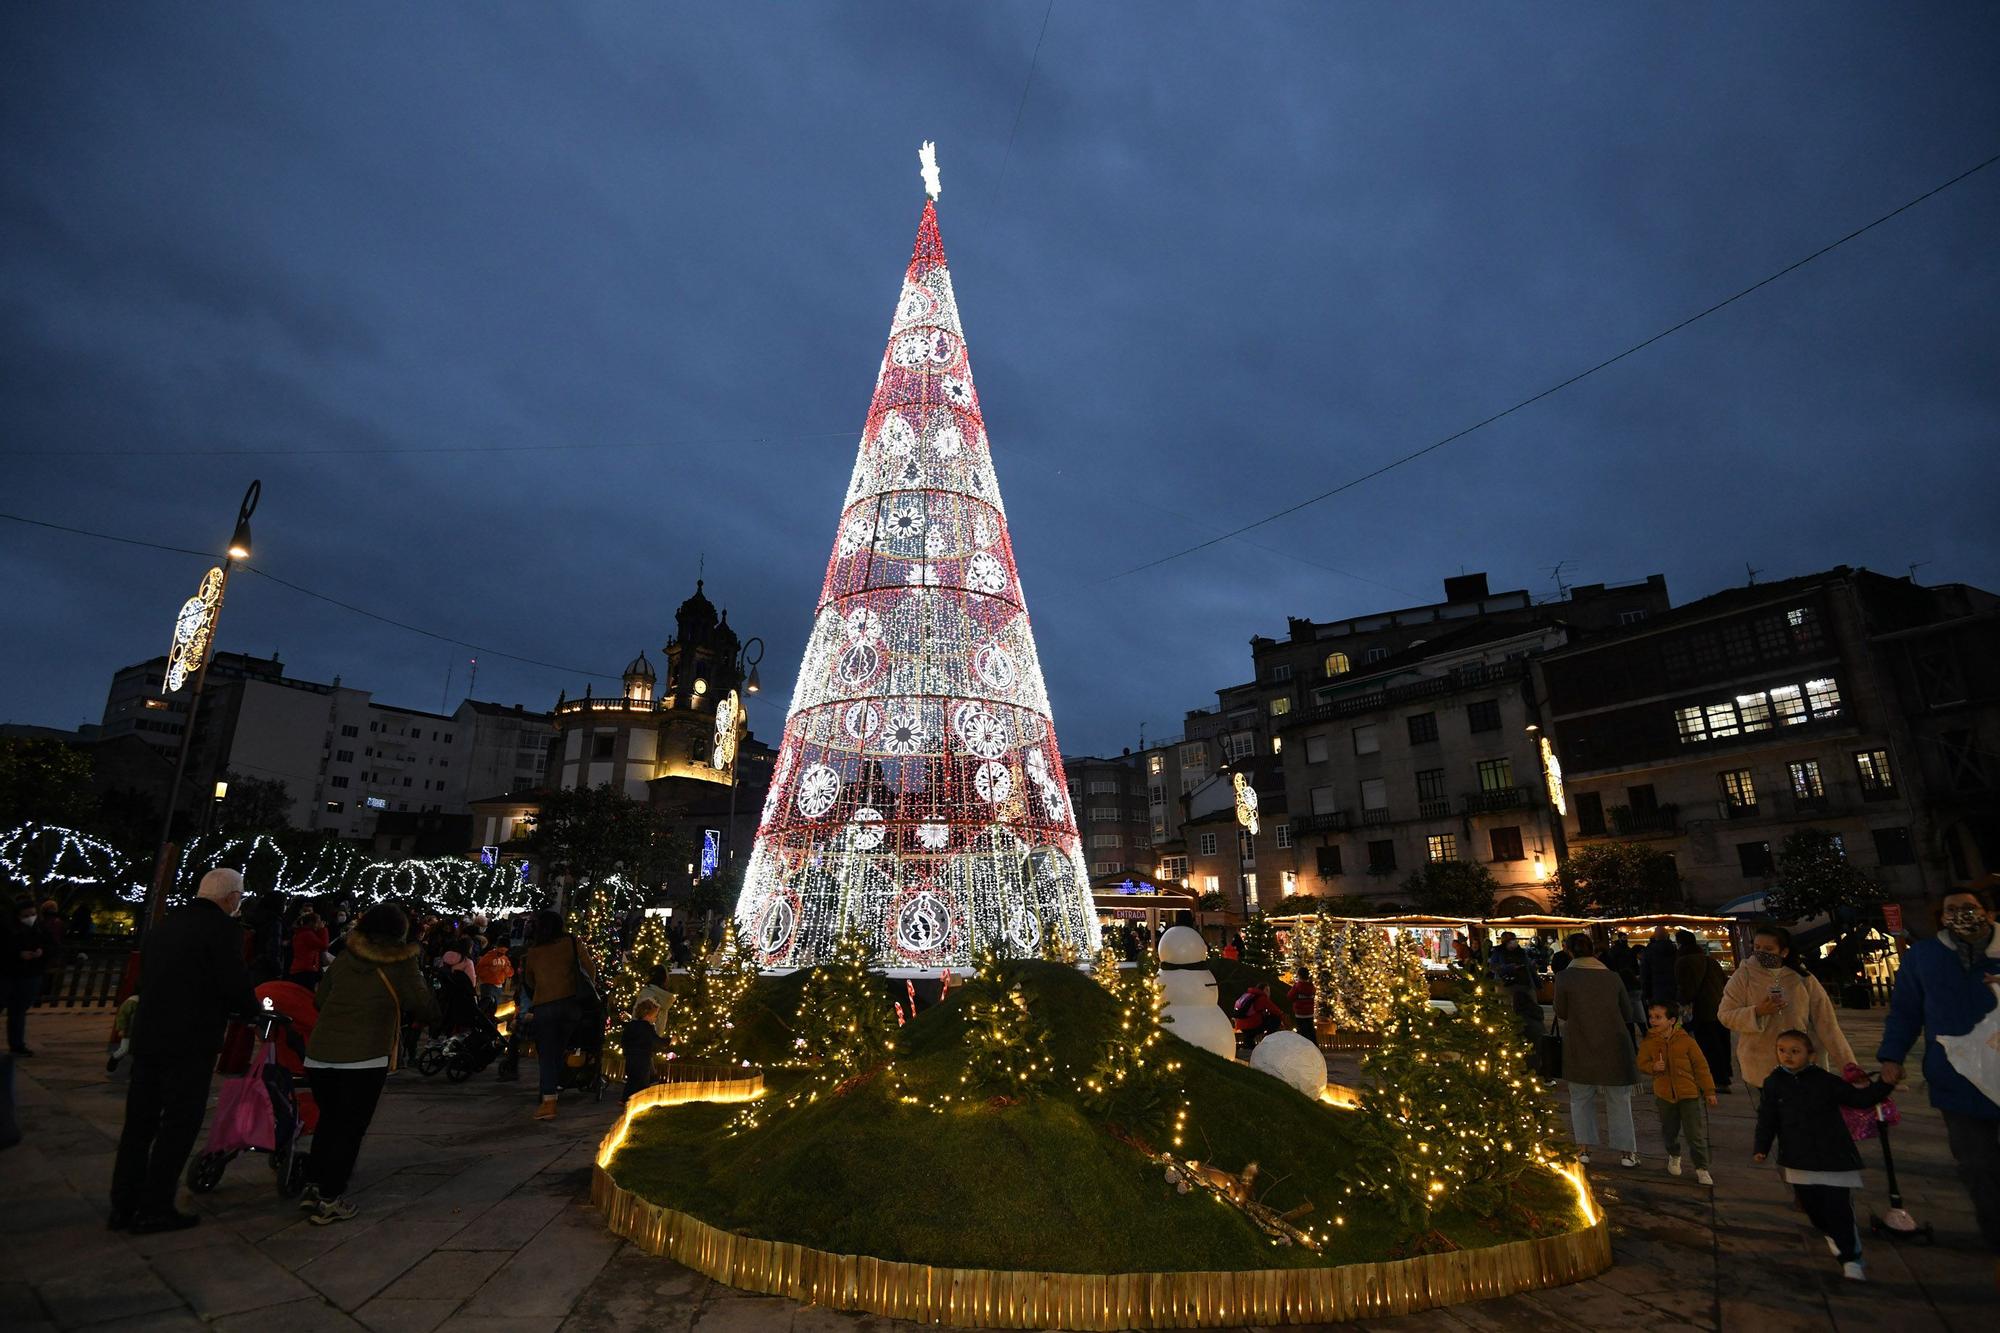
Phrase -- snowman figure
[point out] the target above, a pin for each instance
(1192, 1012)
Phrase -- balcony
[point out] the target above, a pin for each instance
(1726, 809)
(1434, 809)
(1495, 801)
(1377, 817)
(1430, 687)
(1654, 819)
(1333, 822)
(1878, 792)
(610, 703)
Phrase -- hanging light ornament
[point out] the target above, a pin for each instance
(918, 794)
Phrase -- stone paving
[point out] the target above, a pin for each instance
(475, 1217)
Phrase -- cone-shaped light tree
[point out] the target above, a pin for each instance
(918, 793)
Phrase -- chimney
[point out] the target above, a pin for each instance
(1465, 588)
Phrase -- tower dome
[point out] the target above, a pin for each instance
(639, 678)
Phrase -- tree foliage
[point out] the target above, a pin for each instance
(1814, 879)
(254, 805)
(1617, 879)
(1452, 888)
(592, 834)
(43, 781)
(1260, 942)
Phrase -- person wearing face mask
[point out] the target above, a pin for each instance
(25, 963)
(1765, 997)
(1946, 985)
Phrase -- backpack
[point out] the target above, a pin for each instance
(1245, 1003)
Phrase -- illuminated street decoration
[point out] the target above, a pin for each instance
(726, 714)
(711, 852)
(49, 860)
(192, 628)
(1246, 804)
(918, 793)
(1552, 772)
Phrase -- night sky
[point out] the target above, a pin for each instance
(518, 311)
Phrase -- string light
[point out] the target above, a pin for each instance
(918, 794)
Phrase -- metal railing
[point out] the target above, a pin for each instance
(1333, 822)
(1500, 798)
(88, 976)
(1431, 687)
(1434, 809)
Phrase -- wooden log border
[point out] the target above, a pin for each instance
(993, 1298)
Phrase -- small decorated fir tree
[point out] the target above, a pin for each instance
(649, 950)
(1454, 1113)
(1135, 1083)
(1007, 1044)
(703, 1022)
(844, 1022)
(1260, 942)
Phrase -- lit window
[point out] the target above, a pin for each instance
(1281, 706)
(1277, 745)
(1337, 664)
(1211, 884)
(1721, 720)
(1823, 698)
(1806, 784)
(1872, 766)
(1738, 791)
(1790, 704)
(1442, 846)
(1155, 763)
(1693, 726)
(1755, 711)
(1496, 774)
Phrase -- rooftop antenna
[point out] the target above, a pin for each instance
(1556, 574)
(1916, 565)
(471, 685)
(444, 700)
(1753, 573)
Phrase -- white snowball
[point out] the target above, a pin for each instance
(1188, 987)
(1183, 944)
(1290, 1058)
(1201, 1025)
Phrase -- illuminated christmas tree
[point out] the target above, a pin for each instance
(918, 793)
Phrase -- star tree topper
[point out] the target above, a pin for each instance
(928, 156)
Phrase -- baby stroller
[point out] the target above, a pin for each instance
(583, 1068)
(267, 1108)
(472, 1038)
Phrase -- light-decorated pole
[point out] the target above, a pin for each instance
(751, 685)
(189, 655)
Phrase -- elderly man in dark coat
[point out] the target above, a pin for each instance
(191, 979)
(1595, 1014)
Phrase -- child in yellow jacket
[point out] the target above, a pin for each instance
(1681, 1086)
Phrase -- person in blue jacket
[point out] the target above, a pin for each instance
(1946, 986)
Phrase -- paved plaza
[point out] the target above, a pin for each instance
(475, 1217)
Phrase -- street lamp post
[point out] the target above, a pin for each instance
(751, 685)
(192, 650)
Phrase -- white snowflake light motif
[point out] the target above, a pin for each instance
(920, 719)
(1552, 772)
(192, 628)
(1246, 804)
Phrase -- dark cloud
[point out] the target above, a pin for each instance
(1238, 254)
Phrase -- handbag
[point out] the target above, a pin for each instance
(243, 1115)
(1549, 1053)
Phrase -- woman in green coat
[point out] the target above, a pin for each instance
(373, 988)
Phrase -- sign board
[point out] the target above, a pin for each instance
(489, 856)
(377, 803)
(1892, 918)
(711, 851)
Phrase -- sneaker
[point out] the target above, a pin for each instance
(309, 1199)
(1674, 1165)
(1629, 1159)
(1853, 1271)
(331, 1211)
(1701, 1176)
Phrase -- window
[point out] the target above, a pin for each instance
(1337, 664)
(1282, 671)
(1507, 844)
(1374, 794)
(1246, 848)
(1483, 714)
(1806, 784)
(1789, 702)
(1316, 749)
(1210, 884)
(1642, 799)
(1442, 846)
(1323, 802)
(1872, 767)
(1284, 837)
(1375, 654)
(1739, 793)
(1189, 781)
(335, 807)
(1281, 706)
(1823, 699)
(408, 781)
(343, 756)
(1173, 867)
(1239, 745)
(1805, 629)
(1721, 720)
(350, 731)
(1106, 840)
(1496, 774)
(1277, 745)
(1892, 846)
(1156, 763)
(1755, 711)
(1103, 786)
(1159, 830)
(1366, 739)
(1103, 812)
(338, 781)
(1755, 858)
(447, 738)
(1208, 844)
(373, 726)
(1430, 784)
(1589, 811)
(1630, 617)
(1194, 756)
(1423, 728)
(1381, 857)
(1156, 795)
(600, 745)
(1328, 861)
(1693, 727)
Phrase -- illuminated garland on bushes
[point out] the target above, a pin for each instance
(47, 859)
(1358, 971)
(918, 793)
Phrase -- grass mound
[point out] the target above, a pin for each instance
(1040, 1183)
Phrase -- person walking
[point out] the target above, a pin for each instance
(551, 973)
(1595, 1015)
(365, 998)
(25, 964)
(1682, 1088)
(1698, 981)
(1303, 1000)
(1766, 996)
(1945, 988)
(494, 970)
(1800, 1108)
(192, 974)
(1656, 971)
